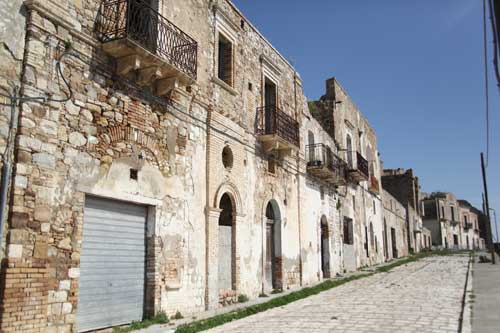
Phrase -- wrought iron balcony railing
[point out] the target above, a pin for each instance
(467, 225)
(360, 172)
(271, 121)
(323, 163)
(137, 22)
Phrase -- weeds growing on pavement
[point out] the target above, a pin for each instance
(160, 318)
(206, 324)
(218, 320)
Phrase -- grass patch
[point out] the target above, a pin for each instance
(160, 318)
(218, 320)
(242, 298)
(178, 315)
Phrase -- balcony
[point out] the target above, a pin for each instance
(276, 130)
(360, 172)
(374, 186)
(323, 164)
(468, 225)
(145, 43)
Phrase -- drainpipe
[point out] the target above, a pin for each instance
(7, 168)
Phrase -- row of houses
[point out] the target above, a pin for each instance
(165, 159)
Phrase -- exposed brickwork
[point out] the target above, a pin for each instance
(24, 292)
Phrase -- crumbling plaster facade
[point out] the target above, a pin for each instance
(395, 238)
(226, 214)
(361, 204)
(88, 141)
(444, 217)
(405, 186)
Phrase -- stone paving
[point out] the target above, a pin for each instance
(424, 296)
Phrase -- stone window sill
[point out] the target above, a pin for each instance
(224, 85)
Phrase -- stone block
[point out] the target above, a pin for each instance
(64, 285)
(77, 139)
(57, 296)
(44, 159)
(15, 251)
(64, 244)
(45, 227)
(30, 143)
(42, 213)
(19, 220)
(72, 108)
(74, 273)
(41, 249)
(18, 236)
(21, 181)
(66, 308)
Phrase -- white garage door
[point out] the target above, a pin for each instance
(112, 264)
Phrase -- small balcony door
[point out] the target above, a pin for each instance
(143, 22)
(270, 101)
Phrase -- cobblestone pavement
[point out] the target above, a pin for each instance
(423, 296)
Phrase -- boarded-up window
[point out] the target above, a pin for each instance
(348, 232)
(225, 60)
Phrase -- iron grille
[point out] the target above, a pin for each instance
(319, 155)
(136, 21)
(273, 121)
(362, 164)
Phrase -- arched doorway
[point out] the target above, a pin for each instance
(325, 248)
(226, 248)
(272, 261)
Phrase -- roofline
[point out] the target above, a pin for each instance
(261, 35)
(355, 105)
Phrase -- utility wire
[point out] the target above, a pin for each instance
(494, 28)
(486, 83)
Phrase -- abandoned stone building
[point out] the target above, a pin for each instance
(164, 158)
(405, 187)
(453, 223)
(356, 143)
(470, 238)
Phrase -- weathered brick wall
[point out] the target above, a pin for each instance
(25, 297)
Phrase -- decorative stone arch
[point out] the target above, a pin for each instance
(231, 189)
(212, 235)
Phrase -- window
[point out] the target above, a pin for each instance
(442, 212)
(354, 202)
(465, 219)
(227, 157)
(348, 232)
(322, 192)
(225, 60)
(374, 208)
(349, 152)
(452, 213)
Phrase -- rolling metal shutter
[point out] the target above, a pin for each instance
(112, 264)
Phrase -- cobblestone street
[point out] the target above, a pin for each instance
(424, 296)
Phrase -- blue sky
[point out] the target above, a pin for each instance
(414, 68)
